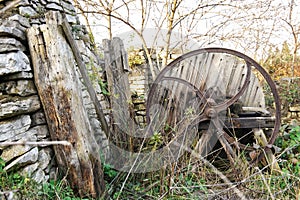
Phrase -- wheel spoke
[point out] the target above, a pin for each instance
(201, 80)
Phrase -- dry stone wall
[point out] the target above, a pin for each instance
(139, 80)
(21, 114)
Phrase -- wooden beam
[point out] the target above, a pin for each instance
(9, 6)
(261, 139)
(60, 93)
(84, 74)
(118, 87)
(244, 122)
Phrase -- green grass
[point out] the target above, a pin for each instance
(192, 179)
(25, 188)
(189, 179)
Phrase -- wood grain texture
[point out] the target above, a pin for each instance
(116, 68)
(60, 93)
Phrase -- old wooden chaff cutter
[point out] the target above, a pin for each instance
(219, 97)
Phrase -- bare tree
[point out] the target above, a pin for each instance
(121, 11)
(292, 26)
(243, 25)
(169, 15)
(248, 26)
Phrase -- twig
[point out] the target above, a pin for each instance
(42, 143)
(9, 6)
(8, 194)
(266, 184)
(219, 173)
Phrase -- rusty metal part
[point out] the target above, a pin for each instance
(243, 123)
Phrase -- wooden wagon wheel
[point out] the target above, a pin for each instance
(201, 89)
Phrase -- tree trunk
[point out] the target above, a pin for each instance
(60, 93)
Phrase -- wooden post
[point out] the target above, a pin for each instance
(61, 97)
(261, 138)
(116, 68)
(84, 74)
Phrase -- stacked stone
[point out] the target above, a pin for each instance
(94, 66)
(140, 79)
(139, 106)
(21, 114)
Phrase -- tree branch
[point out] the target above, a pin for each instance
(41, 143)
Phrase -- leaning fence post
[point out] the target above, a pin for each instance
(60, 93)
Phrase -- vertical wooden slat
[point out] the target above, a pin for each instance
(249, 90)
(199, 71)
(118, 87)
(237, 75)
(227, 67)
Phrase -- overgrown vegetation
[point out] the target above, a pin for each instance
(194, 179)
(135, 57)
(280, 63)
(12, 184)
(191, 179)
(188, 179)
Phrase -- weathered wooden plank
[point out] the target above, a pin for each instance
(205, 71)
(191, 74)
(223, 72)
(244, 122)
(118, 87)
(60, 94)
(84, 74)
(196, 77)
(261, 138)
(158, 112)
(253, 96)
(214, 75)
(182, 89)
(173, 100)
(226, 69)
(173, 86)
(237, 73)
(260, 98)
(249, 90)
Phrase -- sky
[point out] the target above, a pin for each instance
(206, 31)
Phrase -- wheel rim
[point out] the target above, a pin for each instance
(219, 107)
